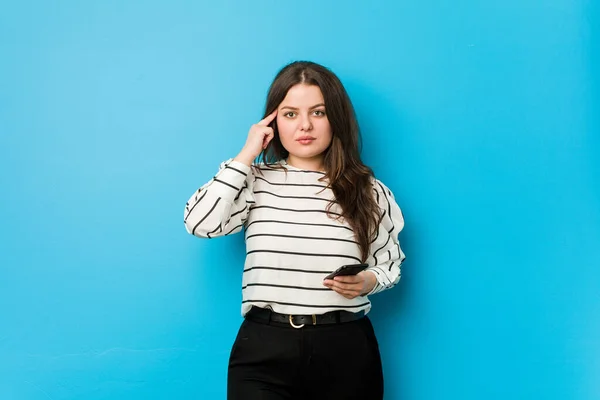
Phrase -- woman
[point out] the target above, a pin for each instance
(308, 208)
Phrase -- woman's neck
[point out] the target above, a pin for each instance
(309, 164)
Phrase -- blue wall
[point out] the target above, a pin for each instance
(481, 116)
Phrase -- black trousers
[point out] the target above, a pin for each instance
(273, 360)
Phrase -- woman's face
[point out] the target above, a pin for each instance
(304, 129)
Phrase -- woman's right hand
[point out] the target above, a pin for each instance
(259, 136)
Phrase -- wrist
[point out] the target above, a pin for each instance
(245, 158)
(370, 282)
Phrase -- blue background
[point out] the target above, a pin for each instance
(481, 116)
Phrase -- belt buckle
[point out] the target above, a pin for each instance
(294, 325)
(291, 318)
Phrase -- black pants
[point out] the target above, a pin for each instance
(275, 361)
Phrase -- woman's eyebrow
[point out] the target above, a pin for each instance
(296, 108)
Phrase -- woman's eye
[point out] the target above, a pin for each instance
(289, 114)
(319, 113)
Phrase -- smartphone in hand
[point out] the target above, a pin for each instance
(345, 270)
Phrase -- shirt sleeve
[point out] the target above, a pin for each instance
(221, 206)
(386, 255)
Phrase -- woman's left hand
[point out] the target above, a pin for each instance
(354, 285)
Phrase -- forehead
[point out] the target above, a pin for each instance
(302, 95)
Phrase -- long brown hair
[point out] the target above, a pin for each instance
(349, 179)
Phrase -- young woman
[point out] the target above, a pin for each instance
(309, 207)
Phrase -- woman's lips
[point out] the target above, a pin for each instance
(305, 139)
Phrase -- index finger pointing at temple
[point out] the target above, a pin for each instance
(267, 120)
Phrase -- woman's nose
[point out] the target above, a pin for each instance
(305, 123)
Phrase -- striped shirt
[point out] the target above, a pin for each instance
(291, 241)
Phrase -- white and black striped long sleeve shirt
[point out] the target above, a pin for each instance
(291, 242)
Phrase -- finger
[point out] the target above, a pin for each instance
(348, 279)
(346, 286)
(350, 294)
(267, 120)
(267, 139)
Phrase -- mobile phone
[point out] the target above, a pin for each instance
(345, 270)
